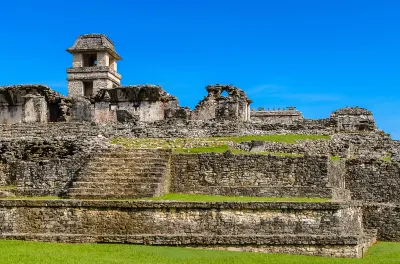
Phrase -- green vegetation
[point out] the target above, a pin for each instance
(288, 138)
(213, 144)
(335, 158)
(31, 198)
(223, 148)
(211, 149)
(220, 198)
(386, 158)
(8, 188)
(22, 252)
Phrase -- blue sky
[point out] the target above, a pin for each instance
(316, 55)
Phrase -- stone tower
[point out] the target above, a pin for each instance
(94, 65)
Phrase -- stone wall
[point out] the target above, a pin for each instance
(253, 175)
(11, 114)
(334, 228)
(75, 88)
(385, 217)
(40, 166)
(28, 104)
(373, 180)
(216, 106)
(353, 119)
(159, 129)
(284, 116)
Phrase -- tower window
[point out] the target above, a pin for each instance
(88, 88)
(90, 60)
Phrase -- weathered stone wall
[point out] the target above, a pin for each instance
(373, 180)
(123, 218)
(284, 116)
(385, 217)
(353, 119)
(252, 175)
(75, 88)
(160, 129)
(35, 109)
(11, 114)
(321, 225)
(234, 106)
(40, 166)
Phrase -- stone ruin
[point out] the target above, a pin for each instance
(53, 145)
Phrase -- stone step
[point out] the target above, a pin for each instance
(95, 193)
(115, 185)
(142, 163)
(122, 170)
(133, 155)
(118, 188)
(119, 179)
(130, 159)
(327, 246)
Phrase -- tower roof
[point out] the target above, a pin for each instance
(94, 42)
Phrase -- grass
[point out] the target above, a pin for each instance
(335, 158)
(210, 149)
(190, 198)
(220, 198)
(8, 188)
(23, 252)
(210, 141)
(223, 148)
(212, 144)
(386, 158)
(283, 138)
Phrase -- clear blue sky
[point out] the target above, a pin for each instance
(313, 54)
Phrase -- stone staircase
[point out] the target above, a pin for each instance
(123, 173)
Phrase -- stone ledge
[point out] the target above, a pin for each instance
(193, 239)
(267, 191)
(179, 205)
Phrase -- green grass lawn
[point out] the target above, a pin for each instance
(47, 253)
(192, 198)
(220, 198)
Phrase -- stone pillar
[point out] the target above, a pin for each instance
(75, 88)
(35, 109)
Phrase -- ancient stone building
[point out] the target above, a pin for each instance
(276, 116)
(85, 149)
(95, 94)
(215, 106)
(94, 65)
(353, 119)
(146, 103)
(28, 104)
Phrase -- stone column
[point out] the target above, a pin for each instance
(35, 109)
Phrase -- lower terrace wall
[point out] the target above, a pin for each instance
(385, 217)
(331, 229)
(253, 175)
(373, 180)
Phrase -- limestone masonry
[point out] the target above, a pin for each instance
(69, 147)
